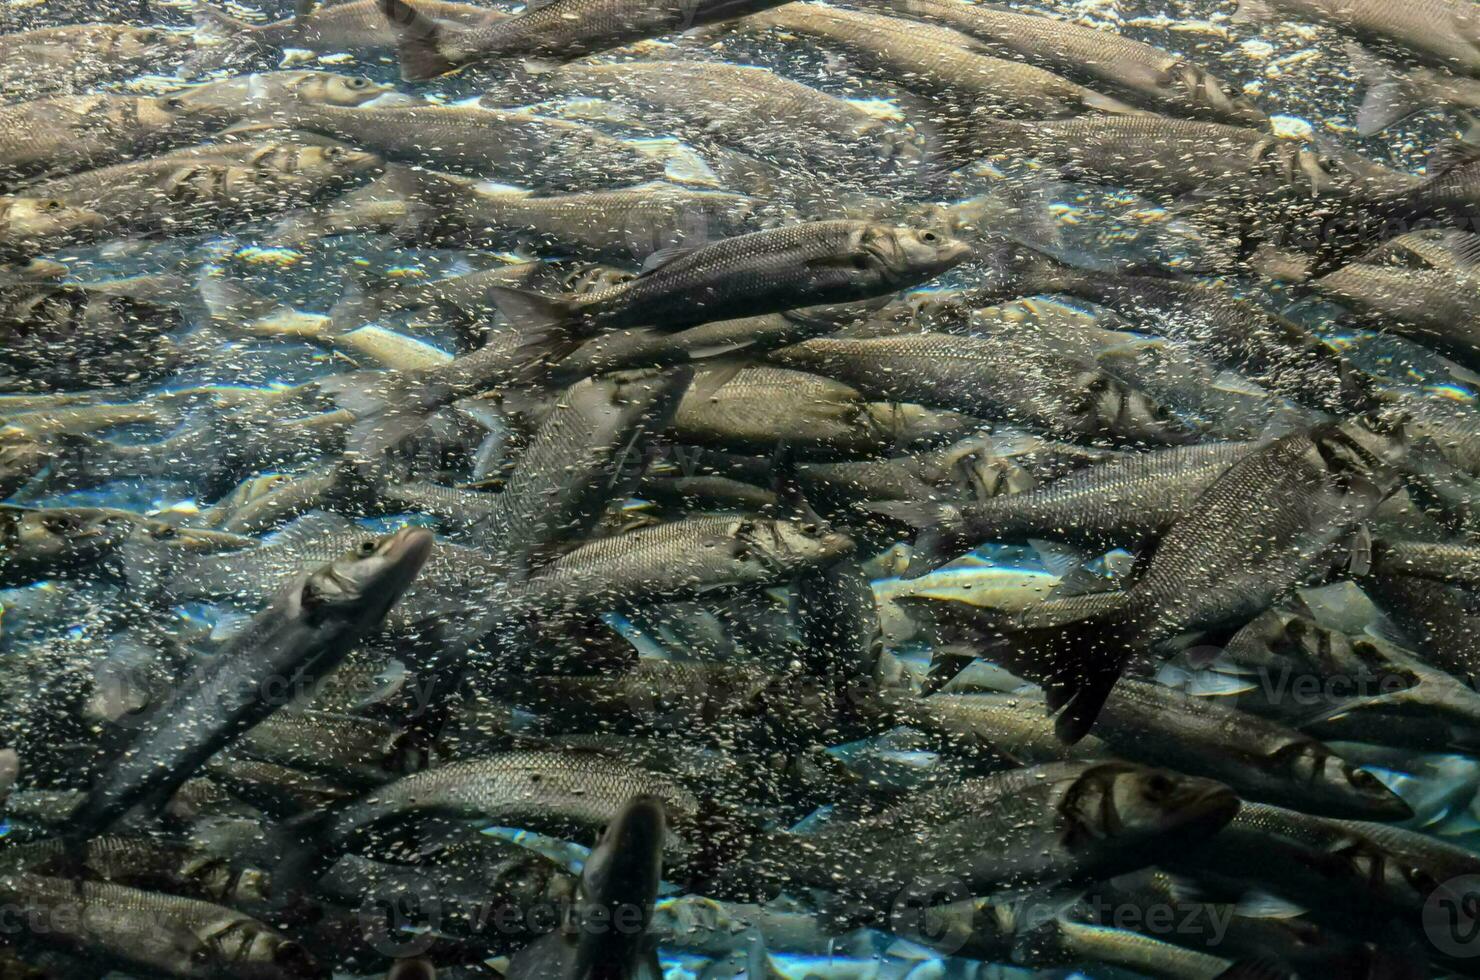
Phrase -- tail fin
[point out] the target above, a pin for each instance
(1076, 661)
(419, 42)
(549, 328)
(1390, 96)
(387, 407)
(303, 854)
(939, 539)
(212, 20)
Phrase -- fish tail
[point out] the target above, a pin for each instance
(1076, 660)
(304, 854)
(939, 536)
(419, 44)
(549, 328)
(357, 305)
(1390, 95)
(1078, 666)
(388, 410)
(213, 20)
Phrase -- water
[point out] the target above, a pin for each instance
(73, 629)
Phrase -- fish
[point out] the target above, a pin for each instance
(518, 148)
(561, 791)
(1066, 397)
(354, 25)
(954, 72)
(770, 271)
(1279, 354)
(426, 48)
(1445, 33)
(815, 417)
(64, 133)
(31, 225)
(309, 627)
(1144, 74)
(1432, 306)
(1118, 503)
(619, 885)
(1345, 471)
(52, 60)
(75, 336)
(184, 194)
(1072, 819)
(1394, 94)
(722, 102)
(164, 934)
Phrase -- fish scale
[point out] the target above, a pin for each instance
(944, 65)
(1147, 74)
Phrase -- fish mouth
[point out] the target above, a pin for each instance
(405, 554)
(1209, 811)
(957, 252)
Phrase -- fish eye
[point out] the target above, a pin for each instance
(164, 533)
(358, 82)
(52, 205)
(367, 547)
(929, 237)
(1364, 780)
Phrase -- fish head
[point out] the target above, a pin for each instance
(1103, 404)
(787, 546)
(528, 880)
(1310, 764)
(237, 946)
(1362, 454)
(910, 253)
(594, 277)
(369, 579)
(903, 424)
(1127, 808)
(329, 88)
(44, 218)
(626, 866)
(61, 535)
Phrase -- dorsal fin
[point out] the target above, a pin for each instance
(664, 256)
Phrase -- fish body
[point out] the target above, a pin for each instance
(563, 30)
(308, 629)
(1144, 74)
(50, 60)
(954, 71)
(516, 148)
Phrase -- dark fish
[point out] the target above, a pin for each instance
(605, 935)
(762, 272)
(162, 934)
(305, 632)
(1259, 529)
